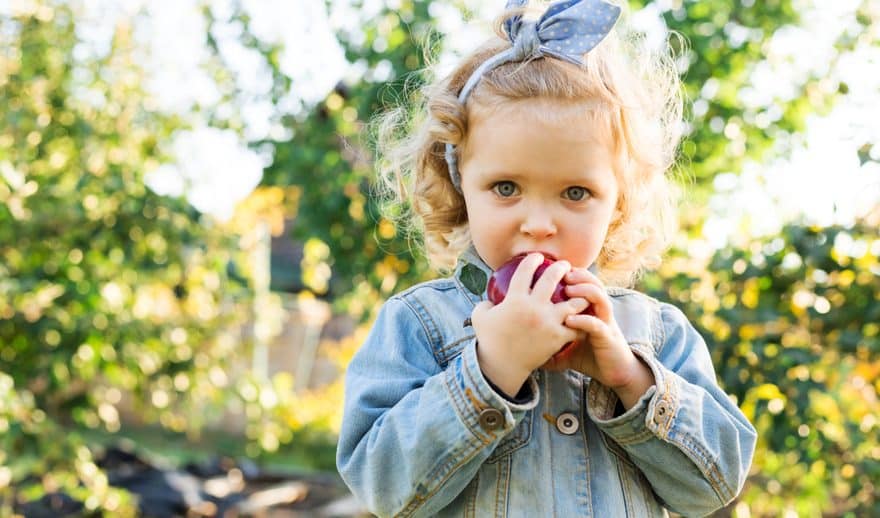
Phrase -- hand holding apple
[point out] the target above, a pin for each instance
(603, 352)
(500, 281)
(525, 329)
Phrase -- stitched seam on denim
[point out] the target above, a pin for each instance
(493, 436)
(471, 504)
(667, 387)
(624, 489)
(473, 383)
(645, 491)
(471, 373)
(432, 331)
(461, 407)
(418, 315)
(466, 453)
(419, 500)
(617, 291)
(587, 457)
(503, 481)
(657, 332)
(548, 405)
(516, 439)
(613, 446)
(442, 284)
(708, 468)
(672, 398)
(447, 347)
(706, 464)
(635, 438)
(662, 331)
(506, 438)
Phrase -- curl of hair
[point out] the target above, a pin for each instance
(628, 88)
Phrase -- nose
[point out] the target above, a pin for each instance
(538, 223)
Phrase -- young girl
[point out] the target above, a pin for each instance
(552, 139)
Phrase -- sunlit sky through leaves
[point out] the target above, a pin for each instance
(822, 181)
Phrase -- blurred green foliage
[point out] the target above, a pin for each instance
(328, 155)
(792, 323)
(109, 292)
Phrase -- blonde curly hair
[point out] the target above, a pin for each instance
(623, 85)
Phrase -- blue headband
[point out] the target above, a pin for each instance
(567, 30)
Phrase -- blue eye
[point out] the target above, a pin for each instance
(505, 189)
(576, 193)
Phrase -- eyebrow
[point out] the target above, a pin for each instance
(571, 179)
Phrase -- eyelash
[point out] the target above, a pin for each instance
(566, 193)
(584, 190)
(497, 186)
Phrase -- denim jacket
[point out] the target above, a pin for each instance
(425, 434)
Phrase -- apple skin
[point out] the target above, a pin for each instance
(499, 282)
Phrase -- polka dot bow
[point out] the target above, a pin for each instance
(567, 30)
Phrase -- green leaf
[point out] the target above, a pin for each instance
(473, 278)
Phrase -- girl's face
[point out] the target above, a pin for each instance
(537, 177)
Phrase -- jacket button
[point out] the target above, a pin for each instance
(567, 423)
(661, 412)
(491, 419)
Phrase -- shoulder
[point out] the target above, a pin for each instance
(435, 296)
(435, 310)
(637, 315)
(644, 319)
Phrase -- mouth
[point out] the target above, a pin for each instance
(547, 255)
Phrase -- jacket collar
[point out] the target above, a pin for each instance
(472, 274)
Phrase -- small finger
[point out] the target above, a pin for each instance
(521, 280)
(573, 305)
(550, 278)
(591, 292)
(586, 323)
(579, 275)
(598, 298)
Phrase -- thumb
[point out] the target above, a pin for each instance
(480, 310)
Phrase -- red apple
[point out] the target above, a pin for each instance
(499, 282)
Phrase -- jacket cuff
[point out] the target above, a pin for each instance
(651, 416)
(477, 403)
